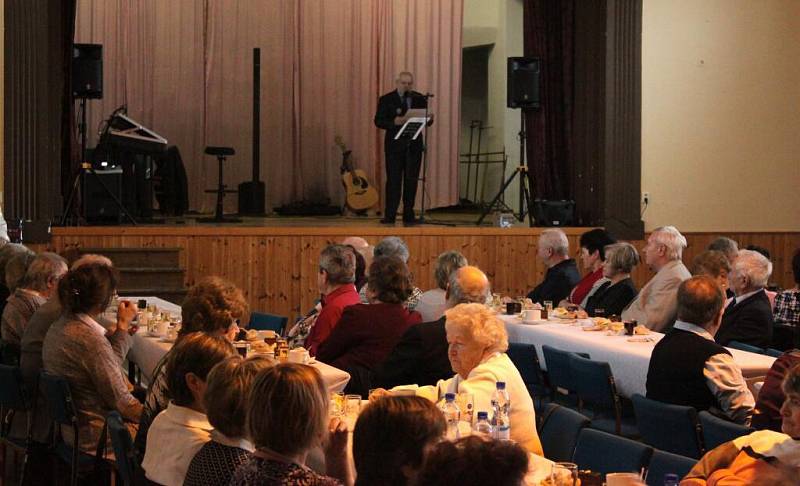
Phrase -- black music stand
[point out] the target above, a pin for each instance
(221, 153)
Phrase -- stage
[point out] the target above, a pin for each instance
(274, 260)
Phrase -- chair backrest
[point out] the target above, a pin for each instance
(775, 353)
(12, 390)
(59, 398)
(605, 453)
(559, 432)
(121, 441)
(717, 431)
(526, 361)
(663, 463)
(559, 372)
(671, 428)
(594, 384)
(261, 321)
(744, 347)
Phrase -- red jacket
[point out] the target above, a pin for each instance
(365, 335)
(333, 305)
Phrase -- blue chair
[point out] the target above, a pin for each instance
(775, 353)
(559, 431)
(671, 428)
(125, 457)
(261, 321)
(745, 347)
(13, 399)
(663, 463)
(605, 453)
(62, 410)
(595, 386)
(527, 363)
(717, 431)
(559, 374)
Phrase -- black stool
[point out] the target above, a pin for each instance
(220, 153)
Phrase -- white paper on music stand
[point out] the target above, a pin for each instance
(416, 124)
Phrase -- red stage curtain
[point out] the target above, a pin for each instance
(184, 68)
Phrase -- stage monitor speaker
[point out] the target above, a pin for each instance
(100, 206)
(523, 82)
(87, 71)
(553, 213)
(251, 198)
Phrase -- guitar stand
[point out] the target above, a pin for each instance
(221, 153)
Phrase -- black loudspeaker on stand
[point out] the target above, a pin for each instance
(252, 193)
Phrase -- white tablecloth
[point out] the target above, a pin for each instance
(146, 351)
(628, 360)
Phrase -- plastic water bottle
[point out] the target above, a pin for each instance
(671, 480)
(501, 405)
(452, 414)
(482, 427)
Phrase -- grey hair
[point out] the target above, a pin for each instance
(43, 268)
(339, 262)
(670, 237)
(405, 73)
(392, 246)
(17, 267)
(556, 240)
(90, 259)
(7, 252)
(459, 295)
(755, 266)
(622, 256)
(726, 245)
(447, 263)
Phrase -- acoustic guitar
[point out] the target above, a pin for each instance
(361, 195)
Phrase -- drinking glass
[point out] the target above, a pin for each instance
(352, 407)
(599, 312)
(337, 404)
(564, 474)
(548, 304)
(466, 403)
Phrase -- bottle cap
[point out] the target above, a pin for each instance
(483, 415)
(449, 397)
(501, 385)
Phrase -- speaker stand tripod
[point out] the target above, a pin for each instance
(525, 191)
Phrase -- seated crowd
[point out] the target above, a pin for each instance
(209, 416)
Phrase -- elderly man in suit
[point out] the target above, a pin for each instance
(562, 272)
(421, 355)
(748, 317)
(656, 306)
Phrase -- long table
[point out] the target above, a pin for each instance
(147, 351)
(628, 360)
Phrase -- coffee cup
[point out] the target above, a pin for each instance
(623, 479)
(531, 315)
(513, 308)
(161, 327)
(299, 355)
(172, 333)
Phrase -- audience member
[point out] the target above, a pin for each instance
(748, 317)
(655, 305)
(361, 246)
(391, 437)
(36, 287)
(562, 273)
(787, 303)
(477, 342)
(618, 291)
(81, 351)
(367, 333)
(592, 255)
(287, 416)
(7, 252)
(335, 282)
(726, 246)
(763, 457)
(225, 400)
(432, 303)
(421, 355)
(30, 361)
(213, 306)
(181, 430)
(767, 414)
(688, 368)
(361, 268)
(474, 461)
(16, 268)
(759, 249)
(716, 265)
(394, 247)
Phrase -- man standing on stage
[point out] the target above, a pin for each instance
(403, 157)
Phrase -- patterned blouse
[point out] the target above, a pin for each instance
(258, 471)
(214, 464)
(787, 307)
(411, 303)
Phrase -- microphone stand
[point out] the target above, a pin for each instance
(424, 178)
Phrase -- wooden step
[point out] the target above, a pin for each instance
(175, 296)
(139, 257)
(160, 277)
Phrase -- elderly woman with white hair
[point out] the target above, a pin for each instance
(748, 316)
(613, 296)
(432, 303)
(477, 344)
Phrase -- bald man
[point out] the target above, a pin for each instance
(421, 355)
